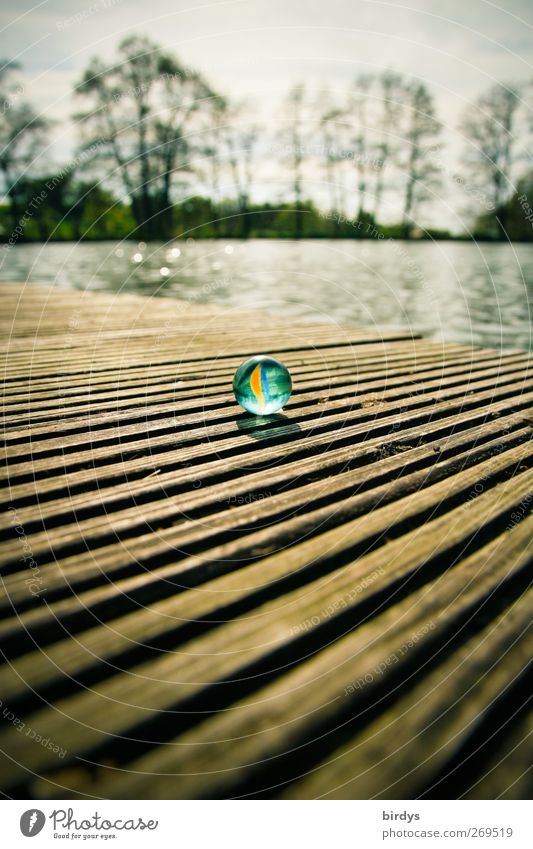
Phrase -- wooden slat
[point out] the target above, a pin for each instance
(79, 568)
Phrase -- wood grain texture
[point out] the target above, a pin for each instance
(332, 602)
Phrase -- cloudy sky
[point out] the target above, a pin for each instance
(254, 48)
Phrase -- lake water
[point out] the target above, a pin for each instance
(480, 294)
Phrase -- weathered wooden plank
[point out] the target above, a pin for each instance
(130, 465)
(181, 384)
(206, 393)
(211, 583)
(335, 460)
(415, 383)
(146, 625)
(223, 754)
(116, 706)
(374, 354)
(180, 390)
(507, 774)
(421, 735)
(110, 559)
(80, 568)
(245, 452)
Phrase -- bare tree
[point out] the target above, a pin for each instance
(421, 173)
(491, 128)
(145, 110)
(214, 150)
(332, 126)
(22, 136)
(230, 148)
(359, 108)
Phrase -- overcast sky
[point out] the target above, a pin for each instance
(254, 48)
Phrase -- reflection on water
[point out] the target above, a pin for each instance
(456, 291)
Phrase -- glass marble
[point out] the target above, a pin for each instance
(262, 385)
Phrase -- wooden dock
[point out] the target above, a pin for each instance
(331, 603)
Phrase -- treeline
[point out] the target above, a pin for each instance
(162, 154)
(78, 211)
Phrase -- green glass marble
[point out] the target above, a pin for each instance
(262, 385)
